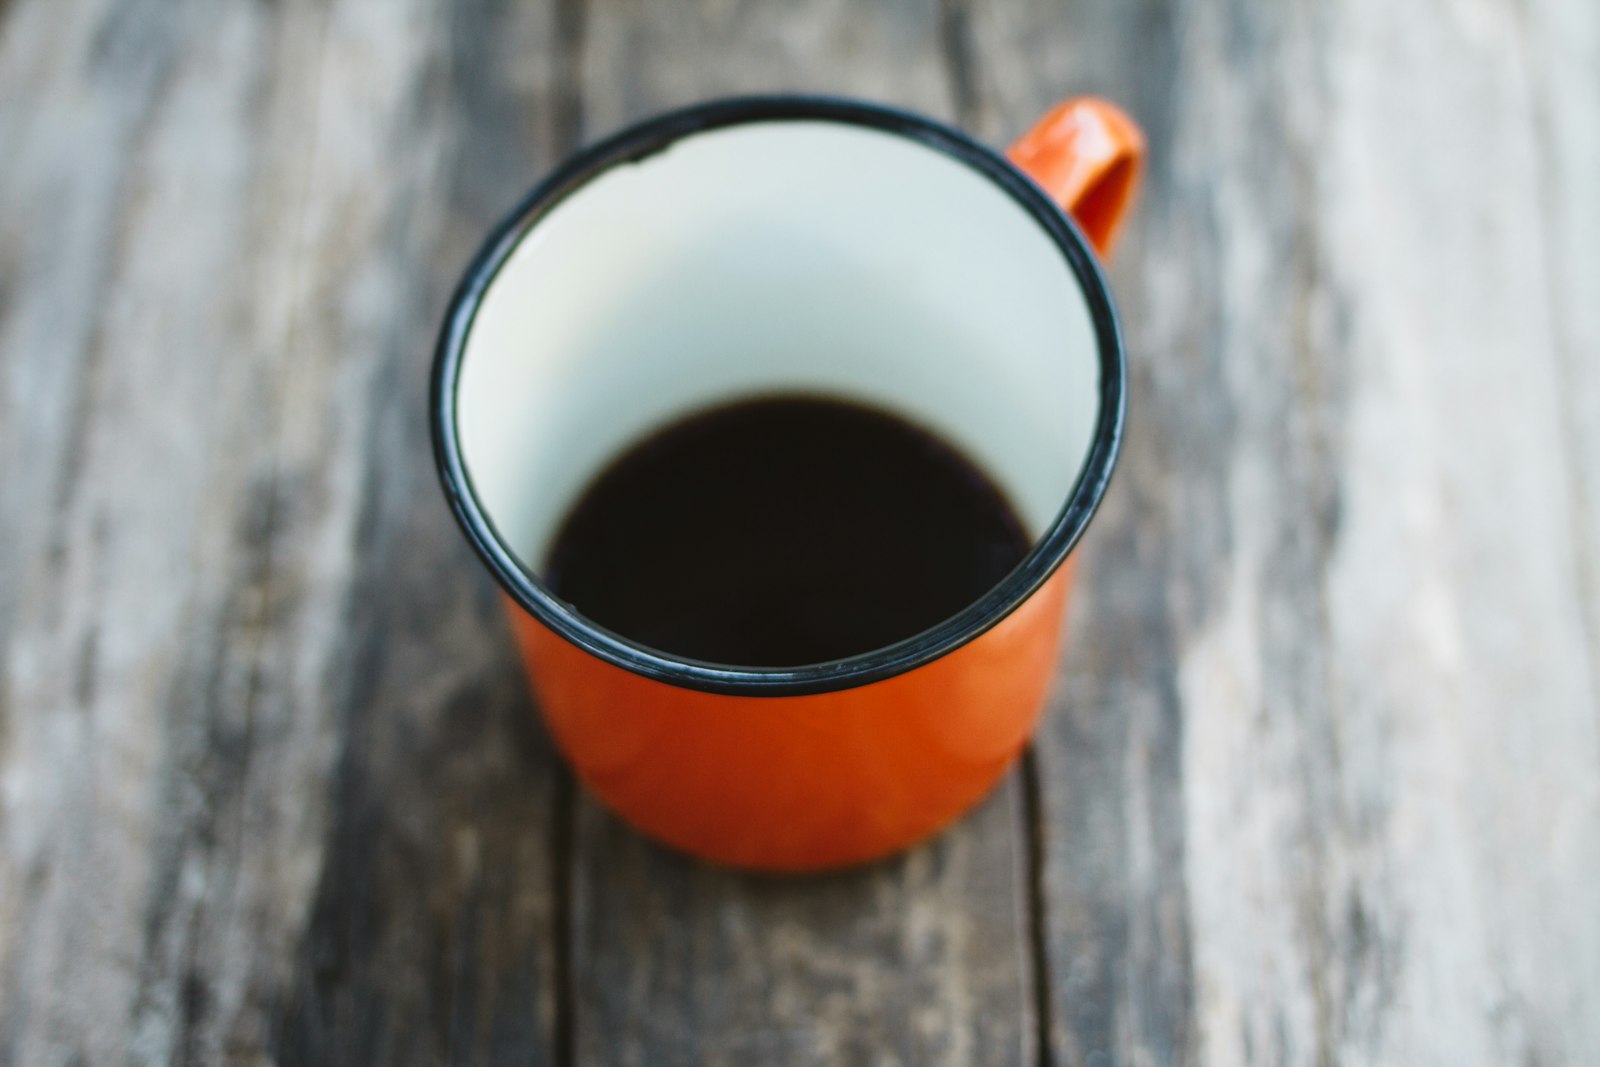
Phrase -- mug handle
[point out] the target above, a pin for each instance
(1088, 156)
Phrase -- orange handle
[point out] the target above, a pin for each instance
(1088, 155)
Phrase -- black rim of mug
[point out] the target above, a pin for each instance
(645, 139)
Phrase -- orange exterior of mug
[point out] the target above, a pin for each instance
(795, 783)
(805, 782)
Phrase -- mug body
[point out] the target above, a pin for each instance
(761, 247)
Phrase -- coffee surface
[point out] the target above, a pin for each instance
(783, 531)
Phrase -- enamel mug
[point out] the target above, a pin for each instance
(765, 245)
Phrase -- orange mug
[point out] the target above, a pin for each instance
(763, 245)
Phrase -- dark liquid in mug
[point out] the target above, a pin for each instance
(784, 531)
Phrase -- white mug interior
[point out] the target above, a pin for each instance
(770, 257)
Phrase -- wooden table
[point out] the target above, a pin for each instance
(1321, 779)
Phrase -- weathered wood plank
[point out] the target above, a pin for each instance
(1322, 785)
(919, 960)
(432, 932)
(271, 788)
(1109, 757)
(160, 720)
(1455, 597)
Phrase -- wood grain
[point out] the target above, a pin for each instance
(431, 937)
(271, 785)
(1301, 790)
(164, 752)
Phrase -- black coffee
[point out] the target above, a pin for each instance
(783, 531)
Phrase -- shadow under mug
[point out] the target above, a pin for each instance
(763, 245)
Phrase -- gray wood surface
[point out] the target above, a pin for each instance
(1328, 740)
(1321, 781)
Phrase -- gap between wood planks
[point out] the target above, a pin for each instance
(958, 49)
(570, 26)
